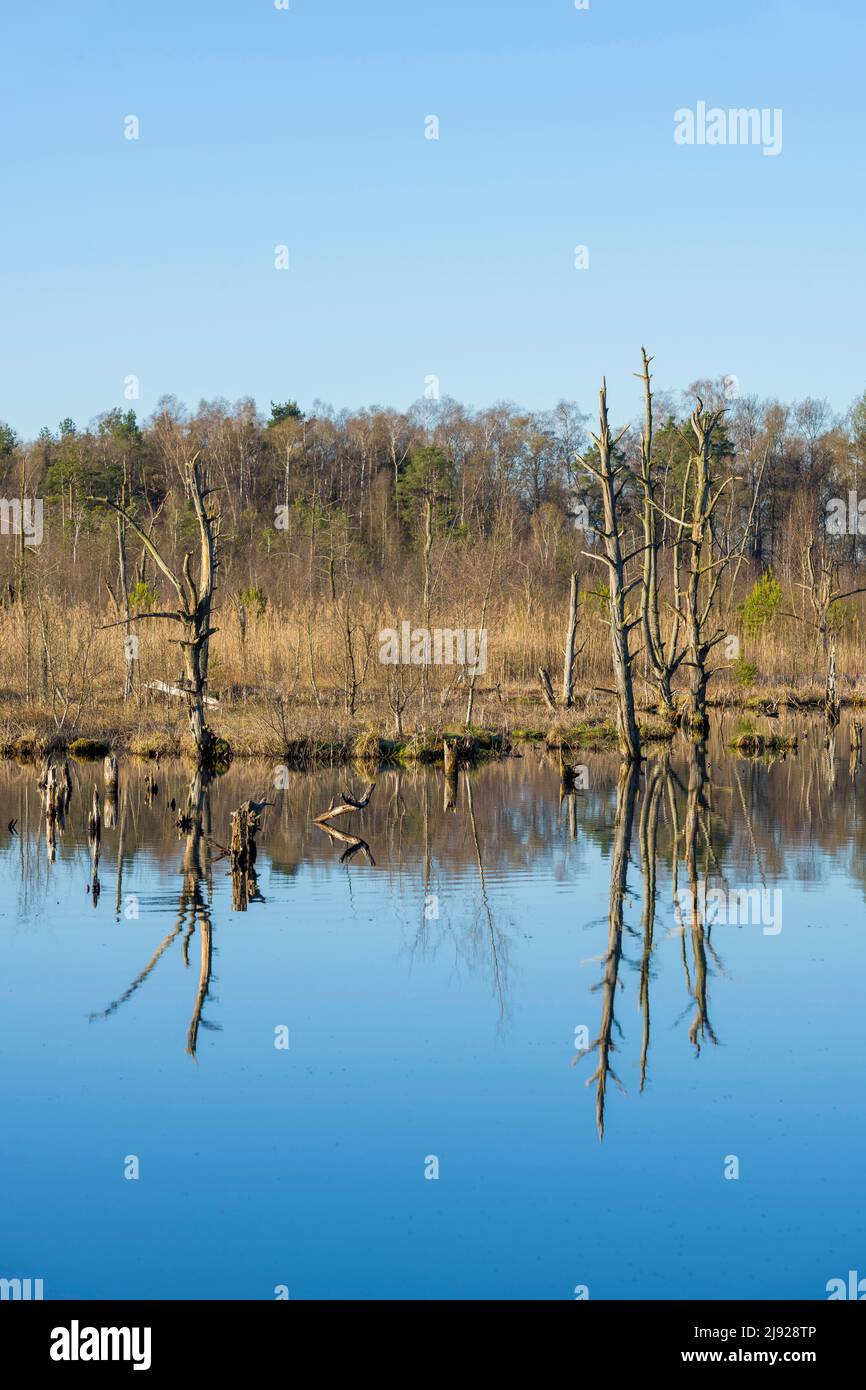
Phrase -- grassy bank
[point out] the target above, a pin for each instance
(303, 734)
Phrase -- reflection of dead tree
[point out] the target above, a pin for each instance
(855, 759)
(625, 799)
(195, 893)
(354, 842)
(110, 777)
(648, 837)
(193, 909)
(491, 927)
(55, 786)
(140, 978)
(94, 838)
(118, 897)
(696, 804)
(449, 763)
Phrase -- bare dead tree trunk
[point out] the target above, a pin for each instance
(664, 660)
(195, 596)
(822, 589)
(831, 698)
(570, 636)
(608, 474)
(547, 688)
(449, 759)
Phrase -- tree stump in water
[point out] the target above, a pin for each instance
(831, 698)
(449, 759)
(94, 835)
(242, 853)
(94, 820)
(242, 847)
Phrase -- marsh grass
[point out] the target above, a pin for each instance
(280, 684)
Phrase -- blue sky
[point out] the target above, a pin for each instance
(412, 257)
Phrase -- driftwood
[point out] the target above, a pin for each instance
(179, 691)
(547, 688)
(346, 806)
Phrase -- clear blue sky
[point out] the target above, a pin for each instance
(412, 257)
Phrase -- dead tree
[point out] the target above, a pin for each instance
(94, 837)
(664, 656)
(570, 636)
(111, 778)
(704, 501)
(609, 474)
(195, 597)
(347, 805)
(547, 688)
(449, 763)
(705, 559)
(245, 823)
(821, 586)
(55, 786)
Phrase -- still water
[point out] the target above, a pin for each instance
(438, 1004)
